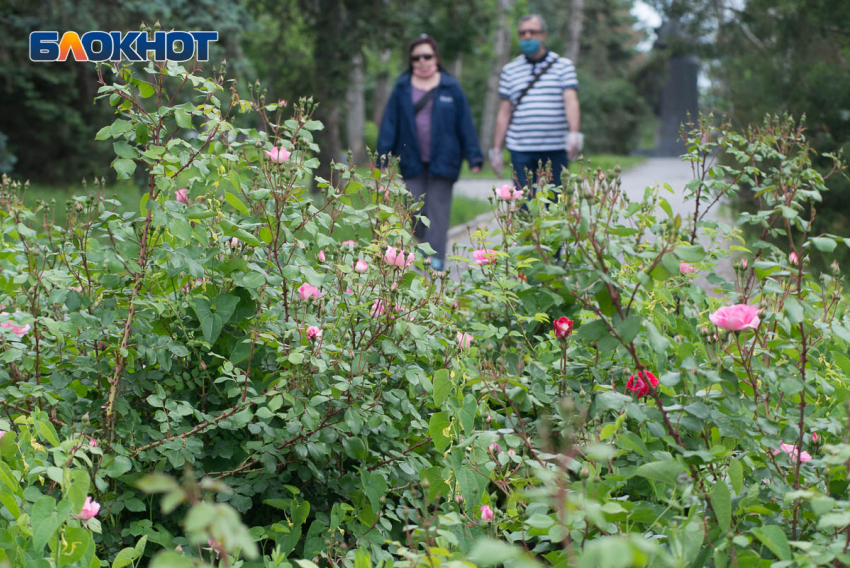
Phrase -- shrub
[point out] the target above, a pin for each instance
(234, 349)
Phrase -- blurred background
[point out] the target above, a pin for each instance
(642, 67)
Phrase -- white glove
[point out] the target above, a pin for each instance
(575, 143)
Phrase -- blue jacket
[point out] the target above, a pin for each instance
(453, 135)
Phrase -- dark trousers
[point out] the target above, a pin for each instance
(437, 208)
(522, 161)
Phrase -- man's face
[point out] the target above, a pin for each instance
(531, 29)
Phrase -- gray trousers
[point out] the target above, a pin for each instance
(437, 207)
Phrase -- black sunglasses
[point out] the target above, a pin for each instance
(425, 56)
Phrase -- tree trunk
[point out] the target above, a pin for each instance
(356, 115)
(457, 66)
(501, 53)
(576, 24)
(382, 87)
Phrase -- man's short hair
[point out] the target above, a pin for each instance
(538, 17)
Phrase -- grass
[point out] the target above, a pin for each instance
(127, 193)
(602, 161)
(465, 209)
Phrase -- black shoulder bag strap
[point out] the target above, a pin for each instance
(423, 102)
(533, 81)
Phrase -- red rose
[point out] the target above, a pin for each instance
(563, 327)
(637, 383)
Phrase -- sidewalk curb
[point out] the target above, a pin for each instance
(459, 230)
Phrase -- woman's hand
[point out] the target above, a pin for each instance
(475, 169)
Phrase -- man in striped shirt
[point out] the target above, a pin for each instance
(539, 111)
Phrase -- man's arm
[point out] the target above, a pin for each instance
(503, 120)
(574, 119)
(571, 106)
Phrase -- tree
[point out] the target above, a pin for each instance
(501, 54)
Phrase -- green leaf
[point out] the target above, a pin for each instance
(664, 471)
(119, 466)
(124, 167)
(439, 430)
(773, 537)
(75, 487)
(180, 229)
(74, 544)
(592, 331)
(794, 310)
(721, 501)
(657, 341)
(629, 328)
(823, 244)
(490, 552)
(46, 520)
(104, 133)
(442, 386)
(170, 559)
(124, 150)
(146, 90)
(236, 203)
(691, 253)
(183, 118)
(125, 557)
(375, 487)
(432, 479)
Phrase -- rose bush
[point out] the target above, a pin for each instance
(239, 374)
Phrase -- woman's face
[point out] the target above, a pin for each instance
(424, 60)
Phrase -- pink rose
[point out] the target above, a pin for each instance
(482, 256)
(459, 498)
(351, 244)
(395, 257)
(511, 451)
(234, 242)
(203, 366)
(815, 437)
(793, 452)
(744, 263)
(737, 317)
(386, 191)
(20, 331)
(361, 266)
(78, 289)
(313, 333)
(278, 155)
(486, 513)
(686, 268)
(793, 258)
(321, 256)
(348, 290)
(563, 327)
(601, 176)
(182, 195)
(2, 433)
(306, 291)
(90, 509)
(508, 192)
(495, 448)
(463, 340)
(637, 383)
(281, 102)
(92, 443)
(377, 308)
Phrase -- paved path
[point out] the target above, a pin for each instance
(654, 171)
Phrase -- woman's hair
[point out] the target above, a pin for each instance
(424, 38)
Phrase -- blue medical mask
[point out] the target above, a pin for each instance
(529, 46)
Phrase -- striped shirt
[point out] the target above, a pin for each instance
(540, 121)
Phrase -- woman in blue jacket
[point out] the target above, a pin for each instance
(427, 124)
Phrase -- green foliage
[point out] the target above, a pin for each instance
(178, 339)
